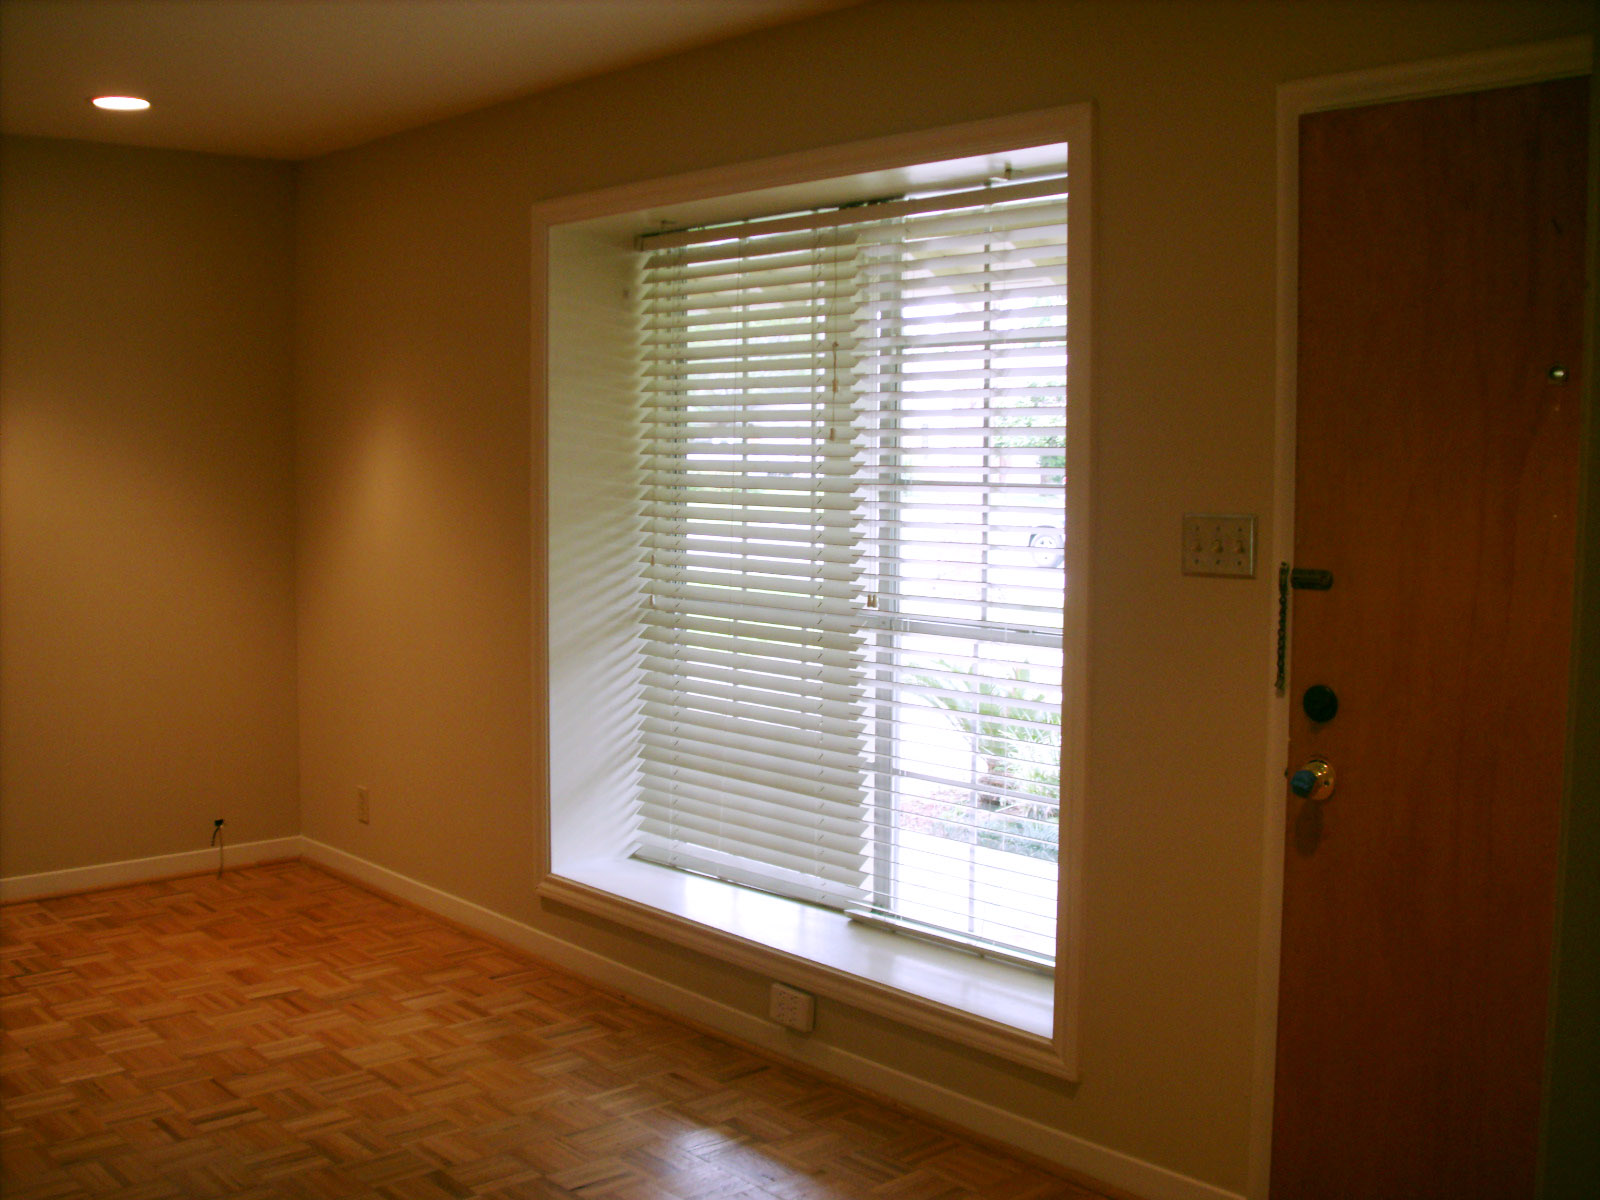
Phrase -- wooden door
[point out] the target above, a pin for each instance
(1441, 264)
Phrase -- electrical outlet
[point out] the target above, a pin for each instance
(792, 1008)
(363, 806)
(1219, 544)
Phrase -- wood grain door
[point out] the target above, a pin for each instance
(1441, 259)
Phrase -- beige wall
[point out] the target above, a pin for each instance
(146, 613)
(419, 667)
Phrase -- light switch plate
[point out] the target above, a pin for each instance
(1219, 544)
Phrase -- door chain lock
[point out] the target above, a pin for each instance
(1300, 578)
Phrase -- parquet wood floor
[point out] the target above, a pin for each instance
(279, 1032)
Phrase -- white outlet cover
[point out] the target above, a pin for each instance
(793, 1008)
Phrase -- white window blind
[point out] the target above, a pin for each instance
(853, 517)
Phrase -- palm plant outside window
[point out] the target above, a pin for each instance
(854, 428)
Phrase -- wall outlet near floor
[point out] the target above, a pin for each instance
(363, 806)
(792, 1008)
(1219, 544)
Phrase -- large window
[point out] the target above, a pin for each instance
(816, 457)
(854, 510)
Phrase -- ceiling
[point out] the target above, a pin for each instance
(297, 78)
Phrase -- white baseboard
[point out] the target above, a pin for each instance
(1042, 1141)
(142, 870)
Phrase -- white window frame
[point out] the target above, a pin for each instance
(584, 445)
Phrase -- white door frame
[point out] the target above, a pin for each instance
(1508, 67)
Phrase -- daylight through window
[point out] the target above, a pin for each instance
(852, 469)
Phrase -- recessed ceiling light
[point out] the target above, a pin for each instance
(120, 103)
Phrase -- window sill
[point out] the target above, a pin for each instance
(991, 1006)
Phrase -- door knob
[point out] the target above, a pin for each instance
(1314, 781)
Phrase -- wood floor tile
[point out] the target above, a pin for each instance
(278, 1032)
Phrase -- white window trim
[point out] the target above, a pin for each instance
(1018, 1015)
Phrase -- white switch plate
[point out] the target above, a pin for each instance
(1219, 544)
